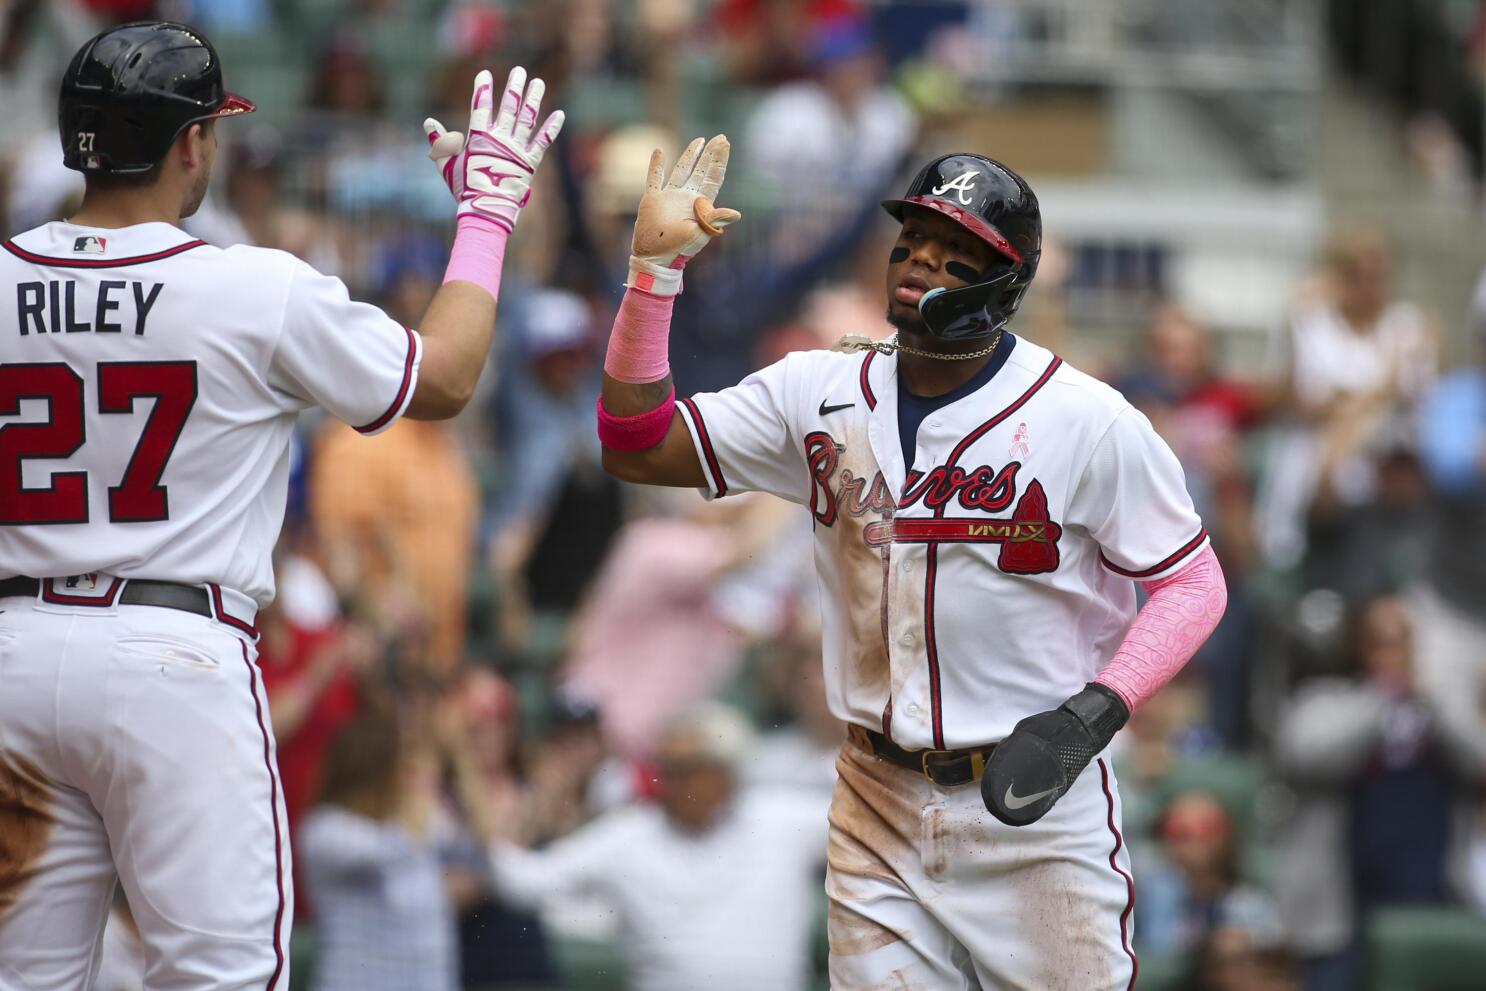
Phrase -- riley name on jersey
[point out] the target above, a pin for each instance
(57, 307)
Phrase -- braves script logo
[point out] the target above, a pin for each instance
(1028, 539)
(963, 185)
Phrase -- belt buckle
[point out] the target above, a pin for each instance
(977, 765)
(924, 764)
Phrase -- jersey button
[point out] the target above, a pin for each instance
(906, 566)
(912, 709)
(908, 639)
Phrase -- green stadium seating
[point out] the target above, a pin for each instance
(1426, 949)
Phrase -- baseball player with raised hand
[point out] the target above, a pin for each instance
(982, 513)
(149, 385)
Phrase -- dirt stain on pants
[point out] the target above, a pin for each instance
(26, 822)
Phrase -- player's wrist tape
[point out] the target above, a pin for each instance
(640, 344)
(656, 276)
(636, 433)
(479, 252)
(1102, 712)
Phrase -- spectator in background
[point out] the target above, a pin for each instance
(1360, 751)
(555, 510)
(1347, 362)
(1195, 888)
(767, 42)
(385, 919)
(1206, 417)
(1346, 549)
(714, 886)
(1451, 598)
(313, 675)
(1236, 957)
(500, 946)
(801, 755)
(397, 513)
(651, 638)
(816, 147)
(346, 85)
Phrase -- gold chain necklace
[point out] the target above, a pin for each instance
(860, 342)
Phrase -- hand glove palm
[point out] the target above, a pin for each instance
(677, 217)
(489, 171)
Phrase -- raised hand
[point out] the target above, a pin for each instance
(489, 169)
(678, 215)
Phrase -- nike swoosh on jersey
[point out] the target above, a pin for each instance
(824, 409)
(1014, 801)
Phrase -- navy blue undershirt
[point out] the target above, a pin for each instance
(912, 409)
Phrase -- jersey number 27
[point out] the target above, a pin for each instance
(139, 497)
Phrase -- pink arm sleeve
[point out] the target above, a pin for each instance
(479, 252)
(1181, 613)
(639, 345)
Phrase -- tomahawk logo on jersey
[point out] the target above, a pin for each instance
(909, 556)
(147, 395)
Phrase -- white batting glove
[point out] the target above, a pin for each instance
(490, 172)
(677, 217)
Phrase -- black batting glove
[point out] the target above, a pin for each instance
(1033, 767)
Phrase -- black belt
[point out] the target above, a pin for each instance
(946, 768)
(137, 592)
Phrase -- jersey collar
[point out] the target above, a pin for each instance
(65, 245)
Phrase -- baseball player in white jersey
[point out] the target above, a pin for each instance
(149, 385)
(982, 513)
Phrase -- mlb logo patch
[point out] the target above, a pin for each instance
(89, 244)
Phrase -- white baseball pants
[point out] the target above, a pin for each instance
(929, 891)
(135, 743)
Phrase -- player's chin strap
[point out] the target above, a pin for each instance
(860, 342)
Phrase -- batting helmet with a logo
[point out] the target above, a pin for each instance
(995, 204)
(131, 91)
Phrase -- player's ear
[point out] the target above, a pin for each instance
(192, 150)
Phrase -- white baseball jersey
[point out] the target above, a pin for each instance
(149, 385)
(994, 576)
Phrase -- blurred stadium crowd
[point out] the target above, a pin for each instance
(483, 643)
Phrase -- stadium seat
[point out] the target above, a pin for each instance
(1426, 949)
(587, 964)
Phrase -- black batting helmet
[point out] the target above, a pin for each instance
(997, 205)
(131, 91)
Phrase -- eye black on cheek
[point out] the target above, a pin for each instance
(962, 271)
(898, 254)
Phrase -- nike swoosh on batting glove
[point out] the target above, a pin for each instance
(1036, 765)
(489, 169)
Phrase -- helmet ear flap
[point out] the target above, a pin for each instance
(973, 311)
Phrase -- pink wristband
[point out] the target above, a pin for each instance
(639, 345)
(636, 433)
(479, 249)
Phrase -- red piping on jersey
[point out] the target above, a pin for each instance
(866, 385)
(712, 466)
(50, 262)
(50, 594)
(402, 391)
(931, 645)
(251, 629)
(278, 840)
(1186, 549)
(1129, 881)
